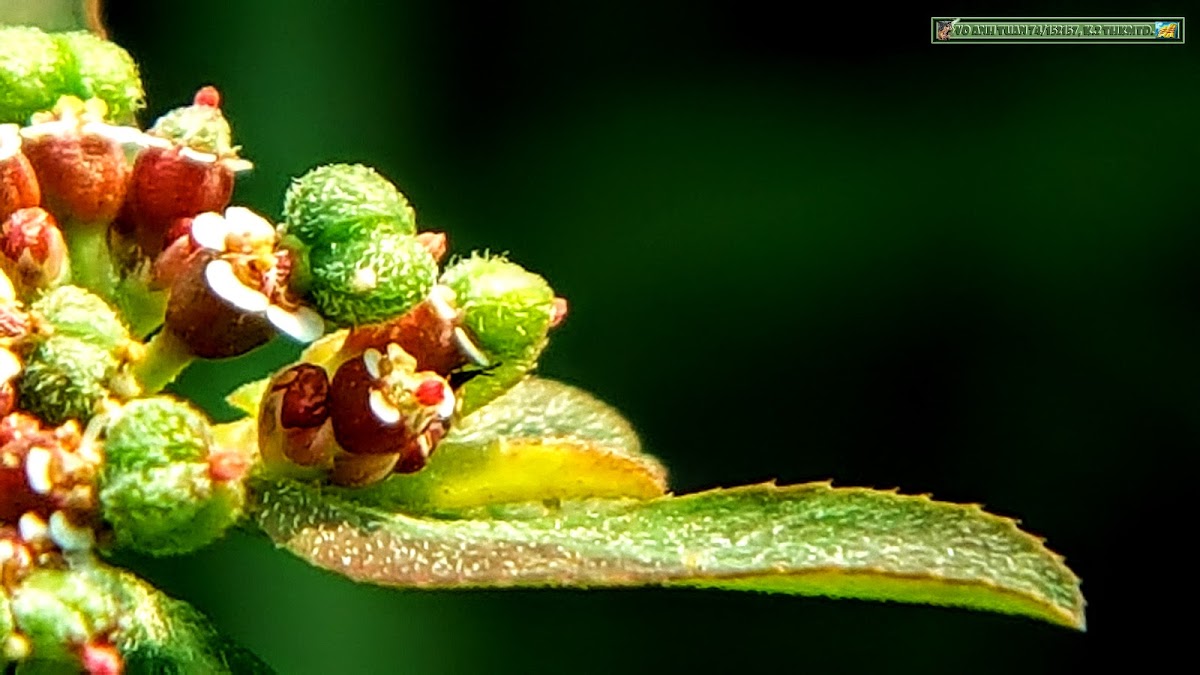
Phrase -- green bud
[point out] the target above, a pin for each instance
(508, 311)
(169, 510)
(33, 73)
(76, 312)
(200, 127)
(155, 432)
(58, 610)
(158, 490)
(338, 202)
(105, 71)
(66, 378)
(369, 280)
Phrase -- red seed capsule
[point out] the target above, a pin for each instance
(19, 187)
(32, 251)
(83, 176)
(168, 185)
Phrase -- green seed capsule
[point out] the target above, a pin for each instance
(338, 202)
(66, 378)
(155, 432)
(507, 308)
(105, 71)
(58, 610)
(169, 510)
(508, 312)
(76, 312)
(158, 489)
(34, 72)
(370, 280)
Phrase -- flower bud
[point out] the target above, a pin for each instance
(105, 71)
(340, 202)
(34, 72)
(507, 313)
(80, 160)
(190, 170)
(370, 280)
(61, 610)
(66, 378)
(33, 253)
(19, 187)
(76, 312)
(158, 489)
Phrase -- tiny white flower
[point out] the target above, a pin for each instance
(237, 234)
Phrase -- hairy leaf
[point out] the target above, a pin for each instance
(810, 539)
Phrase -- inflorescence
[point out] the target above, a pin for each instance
(122, 260)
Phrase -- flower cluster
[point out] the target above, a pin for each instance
(122, 260)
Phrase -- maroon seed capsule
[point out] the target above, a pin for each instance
(294, 421)
(207, 323)
(355, 426)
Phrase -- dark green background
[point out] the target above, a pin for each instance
(794, 249)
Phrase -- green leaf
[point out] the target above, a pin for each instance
(53, 15)
(540, 440)
(809, 539)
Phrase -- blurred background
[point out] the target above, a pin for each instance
(794, 249)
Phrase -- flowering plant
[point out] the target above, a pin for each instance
(410, 445)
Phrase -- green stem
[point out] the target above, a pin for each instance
(91, 262)
(142, 306)
(166, 357)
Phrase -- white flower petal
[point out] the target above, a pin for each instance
(222, 280)
(70, 537)
(442, 299)
(210, 230)
(7, 292)
(302, 325)
(383, 410)
(237, 164)
(467, 346)
(197, 156)
(117, 134)
(247, 222)
(10, 140)
(445, 409)
(10, 365)
(52, 128)
(37, 471)
(371, 359)
(32, 528)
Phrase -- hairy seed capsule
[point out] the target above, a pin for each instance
(343, 202)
